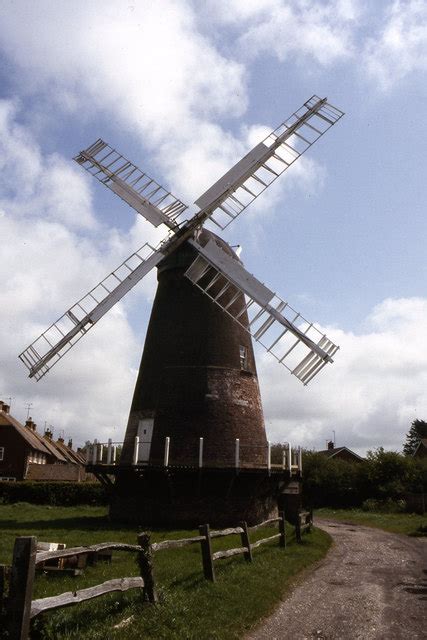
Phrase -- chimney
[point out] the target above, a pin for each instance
(48, 434)
(4, 407)
(330, 445)
(70, 443)
(30, 424)
(60, 440)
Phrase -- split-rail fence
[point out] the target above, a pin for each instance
(18, 607)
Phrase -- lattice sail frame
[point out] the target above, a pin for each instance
(244, 182)
(228, 197)
(142, 193)
(42, 354)
(294, 341)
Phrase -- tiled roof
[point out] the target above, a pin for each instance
(32, 439)
(333, 452)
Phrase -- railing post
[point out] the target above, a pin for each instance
(290, 459)
(113, 457)
(94, 451)
(101, 452)
(167, 445)
(145, 562)
(237, 454)
(244, 536)
(300, 460)
(206, 547)
(283, 459)
(200, 453)
(269, 456)
(109, 451)
(136, 450)
(21, 587)
(282, 529)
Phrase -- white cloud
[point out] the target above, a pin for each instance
(322, 32)
(400, 48)
(31, 185)
(47, 264)
(371, 393)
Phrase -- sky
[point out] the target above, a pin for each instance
(185, 89)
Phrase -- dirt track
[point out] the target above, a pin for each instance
(371, 585)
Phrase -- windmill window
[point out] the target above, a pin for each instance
(243, 357)
(1, 453)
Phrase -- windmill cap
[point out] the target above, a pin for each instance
(185, 254)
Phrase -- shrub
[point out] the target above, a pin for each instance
(53, 493)
(384, 506)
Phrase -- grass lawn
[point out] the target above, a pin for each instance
(190, 607)
(407, 523)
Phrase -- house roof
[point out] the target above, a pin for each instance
(421, 445)
(32, 438)
(29, 436)
(72, 456)
(333, 452)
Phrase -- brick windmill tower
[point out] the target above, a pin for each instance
(195, 448)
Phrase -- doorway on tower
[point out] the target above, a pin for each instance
(145, 435)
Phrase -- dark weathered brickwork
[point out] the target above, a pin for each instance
(190, 380)
(194, 383)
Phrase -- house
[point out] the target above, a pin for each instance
(340, 453)
(27, 455)
(421, 450)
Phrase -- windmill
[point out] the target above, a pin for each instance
(196, 267)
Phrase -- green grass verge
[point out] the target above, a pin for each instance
(407, 523)
(190, 607)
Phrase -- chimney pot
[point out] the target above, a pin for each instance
(330, 445)
(70, 443)
(5, 407)
(30, 424)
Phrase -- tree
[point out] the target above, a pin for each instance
(417, 431)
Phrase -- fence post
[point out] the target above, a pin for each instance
(206, 547)
(237, 453)
(244, 536)
(109, 451)
(298, 528)
(282, 529)
(21, 587)
(145, 562)
(290, 459)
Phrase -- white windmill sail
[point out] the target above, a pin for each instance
(271, 318)
(290, 338)
(243, 183)
(63, 334)
(135, 187)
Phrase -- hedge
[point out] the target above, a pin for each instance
(53, 493)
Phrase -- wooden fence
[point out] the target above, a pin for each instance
(304, 522)
(18, 608)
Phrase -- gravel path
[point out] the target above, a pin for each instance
(371, 585)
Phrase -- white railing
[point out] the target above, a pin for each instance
(105, 453)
